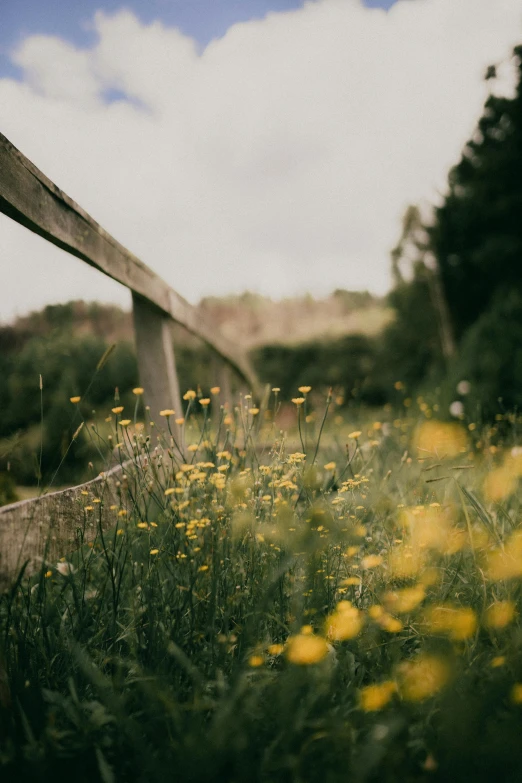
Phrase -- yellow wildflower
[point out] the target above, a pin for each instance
(500, 614)
(305, 649)
(74, 400)
(371, 561)
(422, 677)
(443, 439)
(138, 391)
(506, 563)
(516, 693)
(375, 697)
(405, 600)
(345, 623)
(459, 623)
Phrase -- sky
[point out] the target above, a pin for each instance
(265, 145)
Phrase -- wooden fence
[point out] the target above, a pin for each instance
(31, 199)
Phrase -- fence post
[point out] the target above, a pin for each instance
(156, 365)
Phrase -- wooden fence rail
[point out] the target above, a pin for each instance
(31, 199)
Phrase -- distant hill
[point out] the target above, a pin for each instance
(249, 319)
(255, 320)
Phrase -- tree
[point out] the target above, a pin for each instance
(477, 232)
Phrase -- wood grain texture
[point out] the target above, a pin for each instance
(42, 530)
(156, 363)
(31, 199)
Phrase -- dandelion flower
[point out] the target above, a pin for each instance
(305, 389)
(330, 466)
(215, 389)
(345, 623)
(125, 422)
(153, 551)
(298, 401)
(167, 412)
(138, 391)
(459, 623)
(371, 561)
(402, 601)
(500, 614)
(375, 697)
(205, 402)
(355, 435)
(117, 409)
(189, 395)
(255, 661)
(306, 649)
(74, 400)
(422, 677)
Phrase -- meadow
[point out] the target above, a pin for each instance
(335, 602)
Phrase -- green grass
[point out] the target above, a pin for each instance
(258, 612)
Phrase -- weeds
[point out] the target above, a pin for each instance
(344, 610)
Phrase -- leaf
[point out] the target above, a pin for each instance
(106, 773)
(105, 356)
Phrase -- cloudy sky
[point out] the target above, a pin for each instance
(269, 145)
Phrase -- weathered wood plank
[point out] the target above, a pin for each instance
(156, 362)
(31, 199)
(52, 526)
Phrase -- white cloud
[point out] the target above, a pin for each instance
(279, 159)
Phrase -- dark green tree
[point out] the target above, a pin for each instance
(477, 232)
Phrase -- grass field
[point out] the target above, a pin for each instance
(336, 603)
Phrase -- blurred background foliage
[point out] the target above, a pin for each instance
(455, 313)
